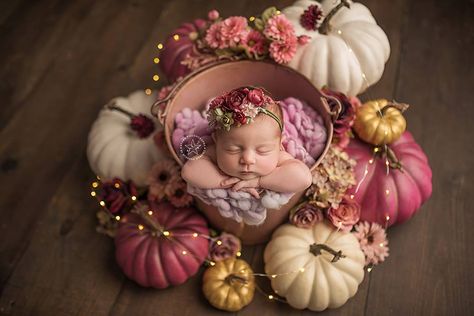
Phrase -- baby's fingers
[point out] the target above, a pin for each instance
(252, 191)
(229, 182)
(239, 185)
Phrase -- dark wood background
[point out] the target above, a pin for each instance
(62, 60)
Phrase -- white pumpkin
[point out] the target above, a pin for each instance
(314, 268)
(354, 47)
(115, 150)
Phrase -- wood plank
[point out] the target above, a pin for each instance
(428, 269)
(66, 102)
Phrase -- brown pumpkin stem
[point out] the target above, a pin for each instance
(402, 107)
(315, 249)
(393, 161)
(147, 218)
(114, 107)
(232, 277)
(326, 26)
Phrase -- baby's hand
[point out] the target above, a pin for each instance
(230, 181)
(251, 183)
(252, 191)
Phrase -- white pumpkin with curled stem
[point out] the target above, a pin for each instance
(347, 51)
(314, 268)
(119, 149)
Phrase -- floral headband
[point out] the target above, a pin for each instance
(239, 107)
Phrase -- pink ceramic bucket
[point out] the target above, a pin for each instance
(201, 85)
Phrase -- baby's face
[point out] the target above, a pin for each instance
(250, 150)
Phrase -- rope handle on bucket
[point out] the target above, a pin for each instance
(337, 109)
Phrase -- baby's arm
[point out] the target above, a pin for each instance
(203, 173)
(290, 175)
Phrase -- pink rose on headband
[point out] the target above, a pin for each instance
(217, 102)
(257, 97)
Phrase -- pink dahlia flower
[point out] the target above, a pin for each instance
(234, 30)
(283, 51)
(279, 28)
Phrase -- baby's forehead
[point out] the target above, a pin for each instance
(253, 133)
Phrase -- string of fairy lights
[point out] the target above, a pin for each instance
(169, 235)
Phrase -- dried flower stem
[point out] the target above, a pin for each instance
(315, 249)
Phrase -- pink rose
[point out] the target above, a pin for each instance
(225, 246)
(346, 118)
(305, 215)
(234, 30)
(256, 96)
(236, 97)
(346, 215)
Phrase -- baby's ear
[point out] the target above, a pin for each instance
(213, 135)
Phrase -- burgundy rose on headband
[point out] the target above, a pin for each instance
(240, 117)
(217, 102)
(235, 98)
(257, 97)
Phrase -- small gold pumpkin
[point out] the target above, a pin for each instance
(229, 285)
(380, 122)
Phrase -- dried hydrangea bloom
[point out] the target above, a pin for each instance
(332, 178)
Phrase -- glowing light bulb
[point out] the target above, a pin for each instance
(302, 270)
(339, 32)
(195, 235)
(156, 78)
(371, 161)
(270, 297)
(150, 213)
(93, 193)
(238, 254)
(166, 233)
(387, 192)
(212, 263)
(159, 46)
(176, 37)
(117, 217)
(117, 185)
(252, 18)
(102, 203)
(274, 276)
(147, 91)
(219, 242)
(134, 198)
(140, 227)
(184, 253)
(95, 184)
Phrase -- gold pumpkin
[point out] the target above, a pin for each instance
(380, 122)
(229, 284)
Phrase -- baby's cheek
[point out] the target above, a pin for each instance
(268, 164)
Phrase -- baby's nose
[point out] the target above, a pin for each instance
(248, 157)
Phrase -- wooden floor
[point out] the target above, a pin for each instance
(61, 60)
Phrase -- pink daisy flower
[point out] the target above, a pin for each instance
(255, 43)
(234, 30)
(214, 36)
(279, 28)
(283, 51)
(373, 242)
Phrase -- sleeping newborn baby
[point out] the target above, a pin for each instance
(247, 154)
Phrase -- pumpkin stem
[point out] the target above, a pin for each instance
(315, 249)
(232, 277)
(394, 163)
(326, 26)
(148, 219)
(402, 107)
(114, 107)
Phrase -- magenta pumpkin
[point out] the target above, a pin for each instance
(154, 259)
(175, 50)
(408, 187)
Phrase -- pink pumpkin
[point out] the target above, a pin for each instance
(159, 250)
(408, 187)
(175, 50)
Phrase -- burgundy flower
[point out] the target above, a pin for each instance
(257, 97)
(217, 102)
(346, 215)
(347, 115)
(143, 125)
(117, 195)
(240, 117)
(305, 215)
(311, 18)
(236, 97)
(225, 246)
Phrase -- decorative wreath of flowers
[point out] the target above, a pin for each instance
(239, 107)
